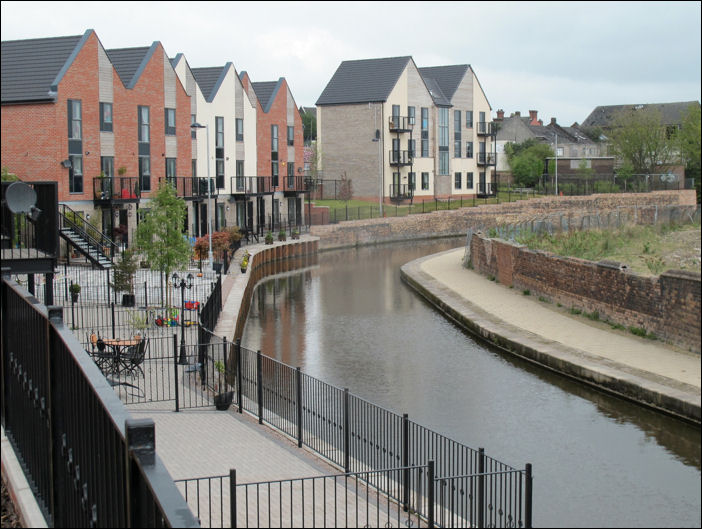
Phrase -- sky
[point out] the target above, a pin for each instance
(560, 58)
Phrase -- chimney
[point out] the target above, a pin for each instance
(500, 114)
(532, 117)
(553, 121)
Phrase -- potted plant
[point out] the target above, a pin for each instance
(269, 238)
(223, 399)
(139, 321)
(74, 289)
(281, 235)
(123, 278)
(295, 235)
(245, 262)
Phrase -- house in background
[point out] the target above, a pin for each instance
(400, 132)
(104, 124)
(573, 148)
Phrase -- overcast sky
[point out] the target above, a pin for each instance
(560, 58)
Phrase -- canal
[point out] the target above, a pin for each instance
(598, 461)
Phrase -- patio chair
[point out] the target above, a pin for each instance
(102, 358)
(133, 357)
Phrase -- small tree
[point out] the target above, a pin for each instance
(345, 188)
(159, 235)
(526, 160)
(124, 270)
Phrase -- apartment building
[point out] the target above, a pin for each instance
(279, 153)
(105, 124)
(401, 132)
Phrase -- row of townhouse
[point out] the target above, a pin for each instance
(110, 125)
(401, 132)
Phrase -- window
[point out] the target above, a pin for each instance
(396, 116)
(193, 164)
(443, 141)
(75, 174)
(469, 149)
(469, 180)
(291, 175)
(221, 220)
(219, 132)
(456, 133)
(170, 168)
(145, 173)
(170, 122)
(274, 138)
(457, 181)
(469, 119)
(425, 132)
(425, 181)
(240, 175)
(412, 147)
(219, 152)
(107, 166)
(410, 115)
(411, 181)
(274, 173)
(559, 151)
(239, 129)
(143, 124)
(75, 123)
(106, 117)
(219, 172)
(193, 132)
(291, 135)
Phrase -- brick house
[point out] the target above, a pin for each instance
(279, 153)
(400, 132)
(73, 112)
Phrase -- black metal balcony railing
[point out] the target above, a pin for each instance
(401, 191)
(401, 123)
(486, 128)
(116, 188)
(487, 158)
(400, 157)
(191, 187)
(261, 185)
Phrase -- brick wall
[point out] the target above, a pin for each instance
(668, 305)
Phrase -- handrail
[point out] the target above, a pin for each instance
(94, 237)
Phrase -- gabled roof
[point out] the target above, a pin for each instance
(266, 92)
(210, 79)
(129, 63)
(436, 93)
(671, 113)
(362, 81)
(32, 68)
(446, 77)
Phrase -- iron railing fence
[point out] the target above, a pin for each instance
(74, 438)
(611, 183)
(379, 498)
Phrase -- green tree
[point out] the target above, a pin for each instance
(638, 137)
(688, 139)
(309, 127)
(526, 160)
(159, 235)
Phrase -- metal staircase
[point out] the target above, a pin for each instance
(85, 238)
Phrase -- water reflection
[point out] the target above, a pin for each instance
(598, 460)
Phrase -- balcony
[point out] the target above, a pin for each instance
(118, 189)
(294, 185)
(487, 158)
(486, 128)
(191, 187)
(400, 158)
(254, 185)
(401, 191)
(401, 123)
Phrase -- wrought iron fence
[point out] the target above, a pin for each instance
(72, 435)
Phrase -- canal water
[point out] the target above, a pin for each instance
(598, 461)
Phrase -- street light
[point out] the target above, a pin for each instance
(177, 282)
(210, 258)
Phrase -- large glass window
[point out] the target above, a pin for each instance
(443, 141)
(219, 171)
(171, 168)
(457, 181)
(456, 133)
(239, 129)
(107, 166)
(425, 181)
(106, 117)
(143, 124)
(469, 119)
(469, 149)
(291, 135)
(145, 173)
(410, 115)
(240, 175)
(219, 132)
(411, 181)
(219, 152)
(193, 132)
(425, 132)
(75, 121)
(469, 180)
(274, 173)
(170, 122)
(274, 138)
(75, 174)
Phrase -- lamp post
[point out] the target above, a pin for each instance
(184, 283)
(210, 258)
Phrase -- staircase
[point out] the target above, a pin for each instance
(85, 238)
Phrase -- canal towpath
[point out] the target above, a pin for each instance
(662, 376)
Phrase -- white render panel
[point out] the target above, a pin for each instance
(169, 83)
(105, 77)
(107, 144)
(172, 147)
(250, 153)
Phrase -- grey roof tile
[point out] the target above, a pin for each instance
(266, 92)
(671, 113)
(30, 67)
(127, 62)
(447, 77)
(208, 79)
(361, 81)
(436, 92)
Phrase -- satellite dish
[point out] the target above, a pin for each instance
(20, 197)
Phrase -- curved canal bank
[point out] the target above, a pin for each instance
(651, 374)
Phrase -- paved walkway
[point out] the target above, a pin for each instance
(591, 351)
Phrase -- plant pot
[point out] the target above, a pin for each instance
(217, 267)
(243, 270)
(128, 300)
(224, 400)
(74, 297)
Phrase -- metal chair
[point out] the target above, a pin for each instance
(133, 357)
(103, 359)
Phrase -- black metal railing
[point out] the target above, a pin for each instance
(487, 189)
(486, 128)
(487, 158)
(568, 184)
(401, 123)
(122, 188)
(400, 157)
(191, 187)
(98, 244)
(400, 191)
(254, 185)
(73, 436)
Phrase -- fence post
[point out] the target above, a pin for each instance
(528, 496)
(175, 369)
(114, 334)
(481, 487)
(347, 437)
(405, 460)
(140, 441)
(237, 348)
(232, 497)
(146, 294)
(259, 385)
(430, 493)
(298, 376)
